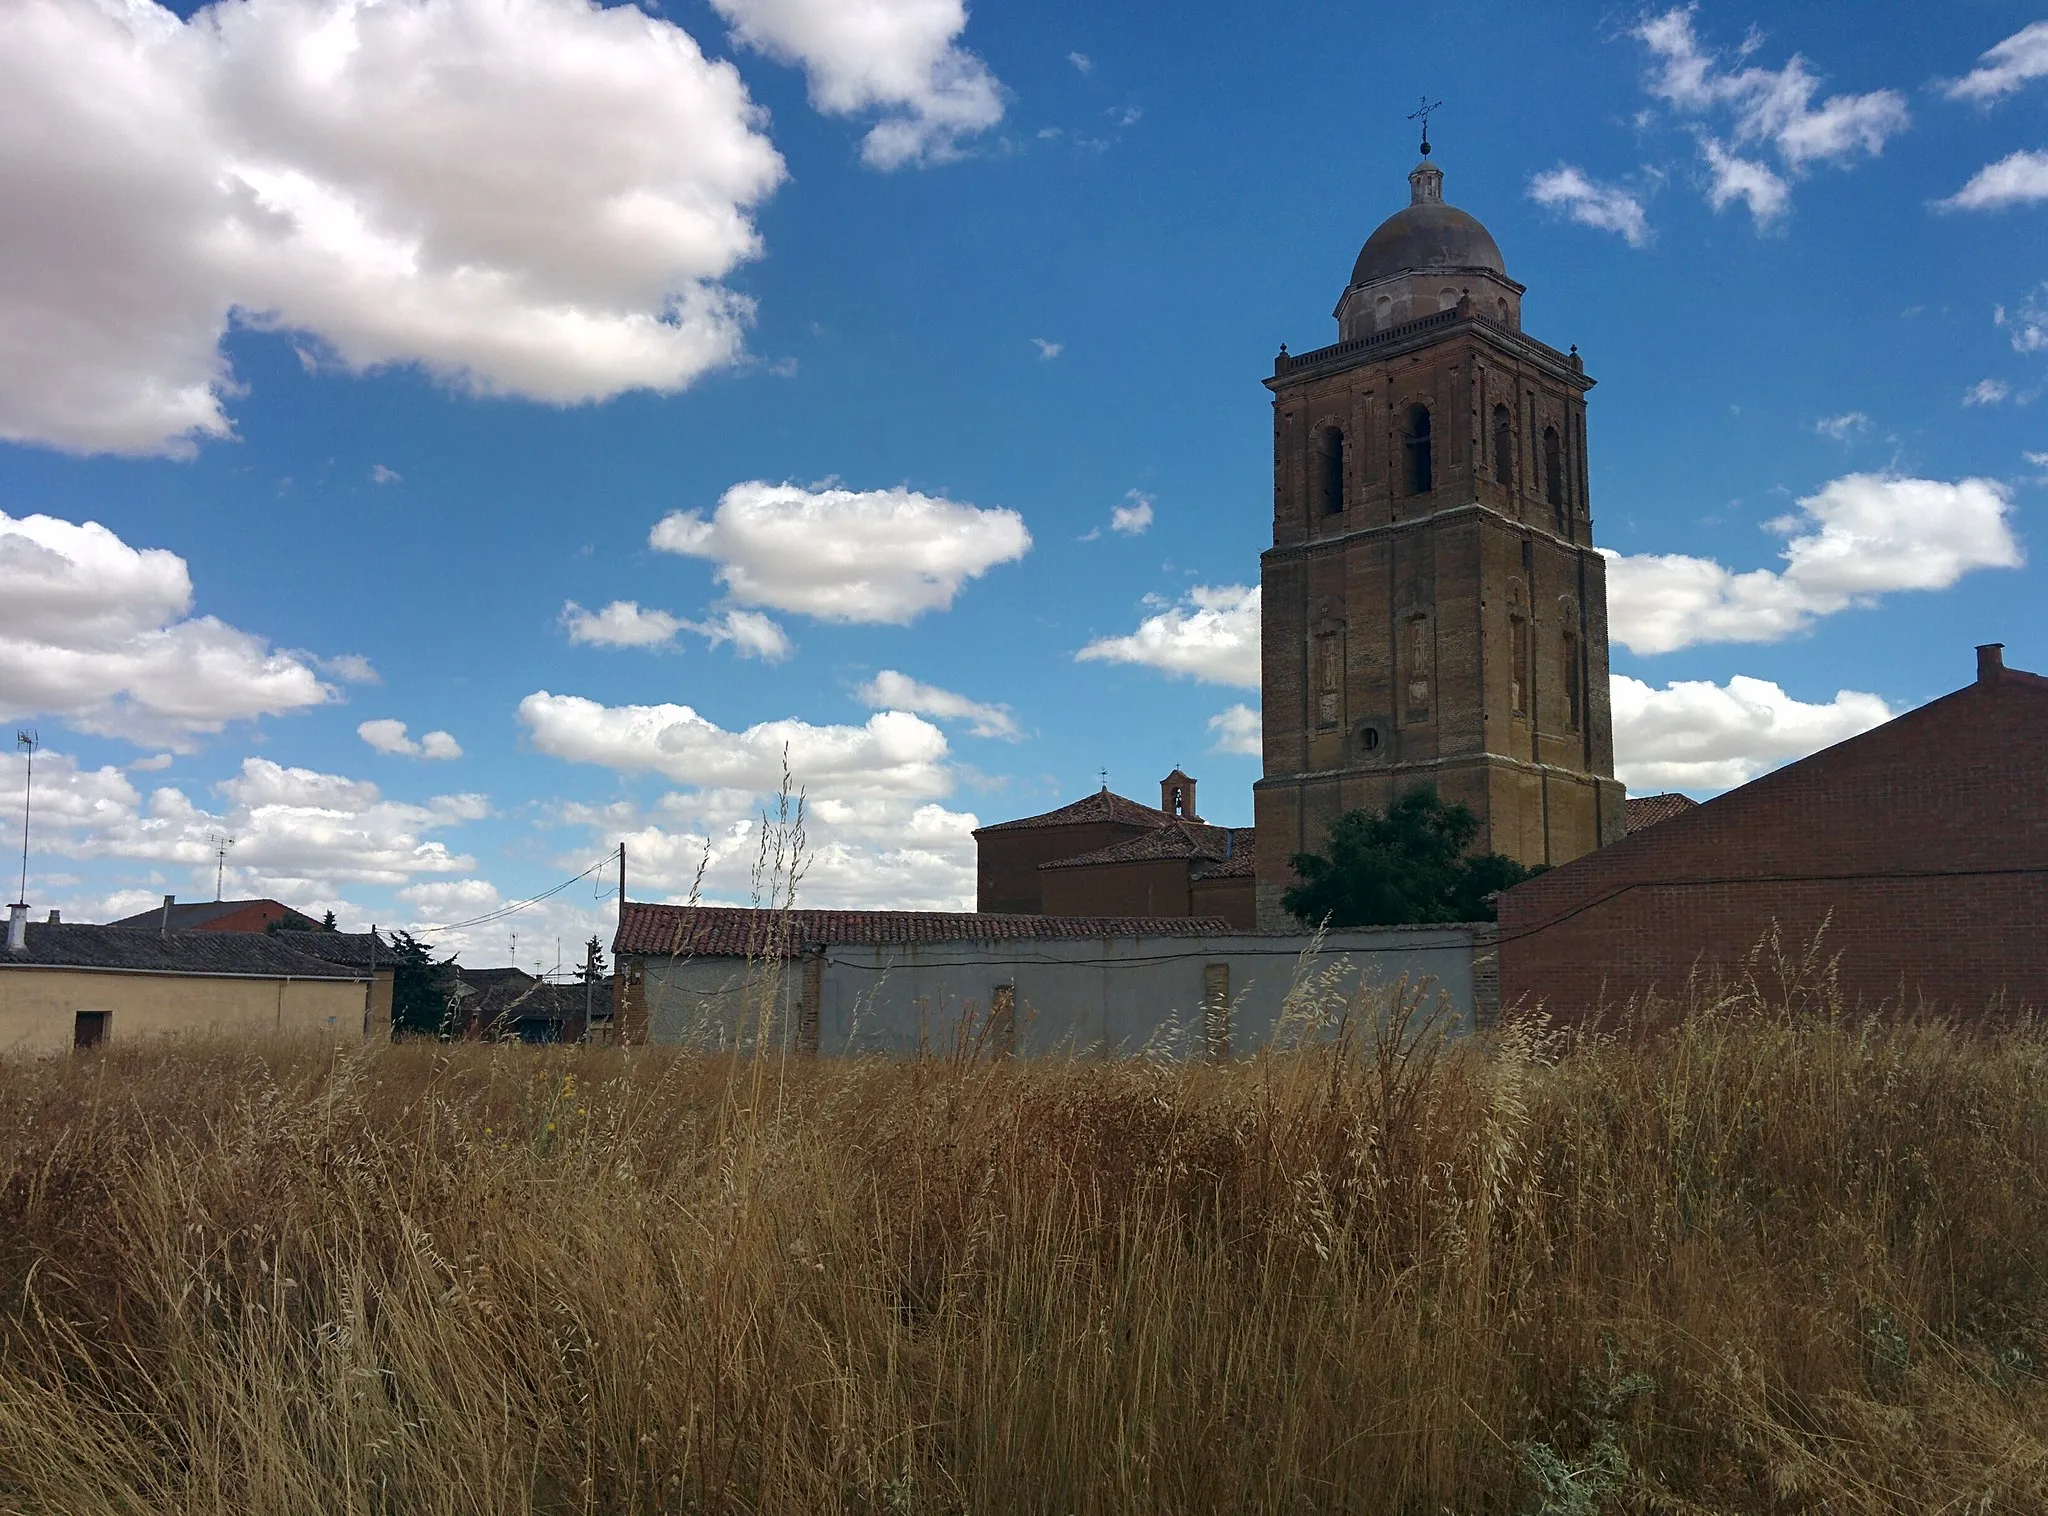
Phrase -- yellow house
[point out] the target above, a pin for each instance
(66, 986)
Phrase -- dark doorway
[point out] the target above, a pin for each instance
(89, 1029)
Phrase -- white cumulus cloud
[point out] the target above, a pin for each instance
(1133, 516)
(1237, 730)
(2029, 324)
(1987, 392)
(388, 736)
(893, 691)
(844, 555)
(1764, 109)
(2003, 69)
(876, 832)
(2019, 178)
(627, 623)
(300, 834)
(99, 634)
(1604, 207)
(1697, 735)
(1859, 538)
(1211, 635)
(899, 57)
(524, 197)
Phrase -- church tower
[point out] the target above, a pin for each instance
(1434, 612)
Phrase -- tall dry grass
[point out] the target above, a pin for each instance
(1769, 1259)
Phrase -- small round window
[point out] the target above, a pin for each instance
(1368, 739)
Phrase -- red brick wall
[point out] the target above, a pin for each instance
(1923, 844)
(1006, 862)
(1146, 887)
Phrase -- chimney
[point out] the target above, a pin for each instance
(1990, 662)
(17, 928)
(163, 925)
(55, 919)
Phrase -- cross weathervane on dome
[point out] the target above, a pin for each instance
(1422, 115)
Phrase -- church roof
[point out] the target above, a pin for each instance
(1648, 810)
(1427, 234)
(1177, 839)
(1103, 805)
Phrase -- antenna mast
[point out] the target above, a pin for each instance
(28, 742)
(221, 844)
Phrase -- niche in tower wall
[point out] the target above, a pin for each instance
(1518, 648)
(1416, 665)
(1327, 678)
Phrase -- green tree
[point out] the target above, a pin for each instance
(327, 923)
(592, 969)
(420, 988)
(1406, 864)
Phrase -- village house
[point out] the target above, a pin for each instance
(66, 986)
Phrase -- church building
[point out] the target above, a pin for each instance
(1434, 610)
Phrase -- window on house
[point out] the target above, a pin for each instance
(1574, 688)
(1503, 445)
(1553, 469)
(1415, 439)
(1518, 666)
(89, 1029)
(1330, 470)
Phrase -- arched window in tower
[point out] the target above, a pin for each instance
(1329, 471)
(1503, 446)
(1553, 471)
(1415, 442)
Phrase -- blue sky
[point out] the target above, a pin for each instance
(627, 396)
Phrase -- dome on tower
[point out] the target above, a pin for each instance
(1428, 234)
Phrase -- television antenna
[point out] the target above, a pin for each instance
(27, 740)
(222, 845)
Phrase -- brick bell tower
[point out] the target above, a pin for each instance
(1434, 611)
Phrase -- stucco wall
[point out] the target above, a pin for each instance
(1097, 997)
(39, 1006)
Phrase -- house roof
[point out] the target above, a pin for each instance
(1176, 839)
(1648, 810)
(1103, 805)
(195, 915)
(241, 954)
(355, 949)
(716, 931)
(509, 995)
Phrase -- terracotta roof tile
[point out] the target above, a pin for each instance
(1103, 805)
(1648, 810)
(717, 931)
(1176, 839)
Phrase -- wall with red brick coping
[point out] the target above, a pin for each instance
(1923, 845)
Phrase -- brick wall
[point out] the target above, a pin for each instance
(1006, 862)
(1923, 846)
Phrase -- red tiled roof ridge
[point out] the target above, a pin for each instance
(1177, 839)
(1648, 810)
(1103, 805)
(655, 930)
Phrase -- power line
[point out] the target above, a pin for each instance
(506, 910)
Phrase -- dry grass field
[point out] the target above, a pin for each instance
(1769, 1259)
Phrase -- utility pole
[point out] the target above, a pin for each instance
(619, 958)
(27, 741)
